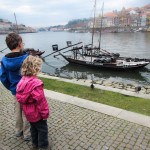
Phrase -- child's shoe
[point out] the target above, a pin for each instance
(19, 134)
(34, 147)
(45, 148)
(28, 138)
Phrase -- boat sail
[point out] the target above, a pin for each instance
(92, 56)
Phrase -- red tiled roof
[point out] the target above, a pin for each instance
(4, 23)
(110, 14)
(81, 25)
(147, 6)
(129, 9)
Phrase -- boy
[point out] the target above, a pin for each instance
(10, 76)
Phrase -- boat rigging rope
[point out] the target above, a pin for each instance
(3, 49)
(61, 49)
(62, 60)
(57, 70)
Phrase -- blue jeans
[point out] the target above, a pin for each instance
(39, 133)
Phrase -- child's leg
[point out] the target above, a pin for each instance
(34, 134)
(42, 134)
(22, 125)
(18, 116)
(26, 128)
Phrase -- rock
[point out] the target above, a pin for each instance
(130, 89)
(148, 91)
(146, 87)
(107, 83)
(143, 90)
(100, 82)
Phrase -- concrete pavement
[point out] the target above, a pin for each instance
(109, 110)
(79, 125)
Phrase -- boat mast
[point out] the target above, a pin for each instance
(93, 28)
(93, 23)
(100, 33)
(16, 23)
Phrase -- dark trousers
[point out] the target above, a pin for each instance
(39, 133)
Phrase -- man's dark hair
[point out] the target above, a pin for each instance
(13, 40)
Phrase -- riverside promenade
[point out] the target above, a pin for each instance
(78, 124)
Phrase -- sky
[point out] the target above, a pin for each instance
(44, 13)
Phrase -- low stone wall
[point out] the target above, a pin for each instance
(129, 87)
(107, 83)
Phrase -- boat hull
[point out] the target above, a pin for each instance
(109, 66)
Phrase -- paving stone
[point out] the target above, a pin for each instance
(75, 128)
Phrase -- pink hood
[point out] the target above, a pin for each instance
(26, 85)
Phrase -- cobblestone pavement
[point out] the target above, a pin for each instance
(75, 128)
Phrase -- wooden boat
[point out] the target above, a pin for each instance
(31, 51)
(120, 63)
(34, 52)
(78, 55)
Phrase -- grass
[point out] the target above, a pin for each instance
(130, 103)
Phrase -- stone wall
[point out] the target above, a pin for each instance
(129, 87)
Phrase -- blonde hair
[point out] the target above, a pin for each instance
(31, 66)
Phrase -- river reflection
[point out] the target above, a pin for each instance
(82, 72)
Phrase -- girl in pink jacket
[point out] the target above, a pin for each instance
(30, 95)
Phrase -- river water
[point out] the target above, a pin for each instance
(127, 44)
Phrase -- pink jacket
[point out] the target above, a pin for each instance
(31, 96)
